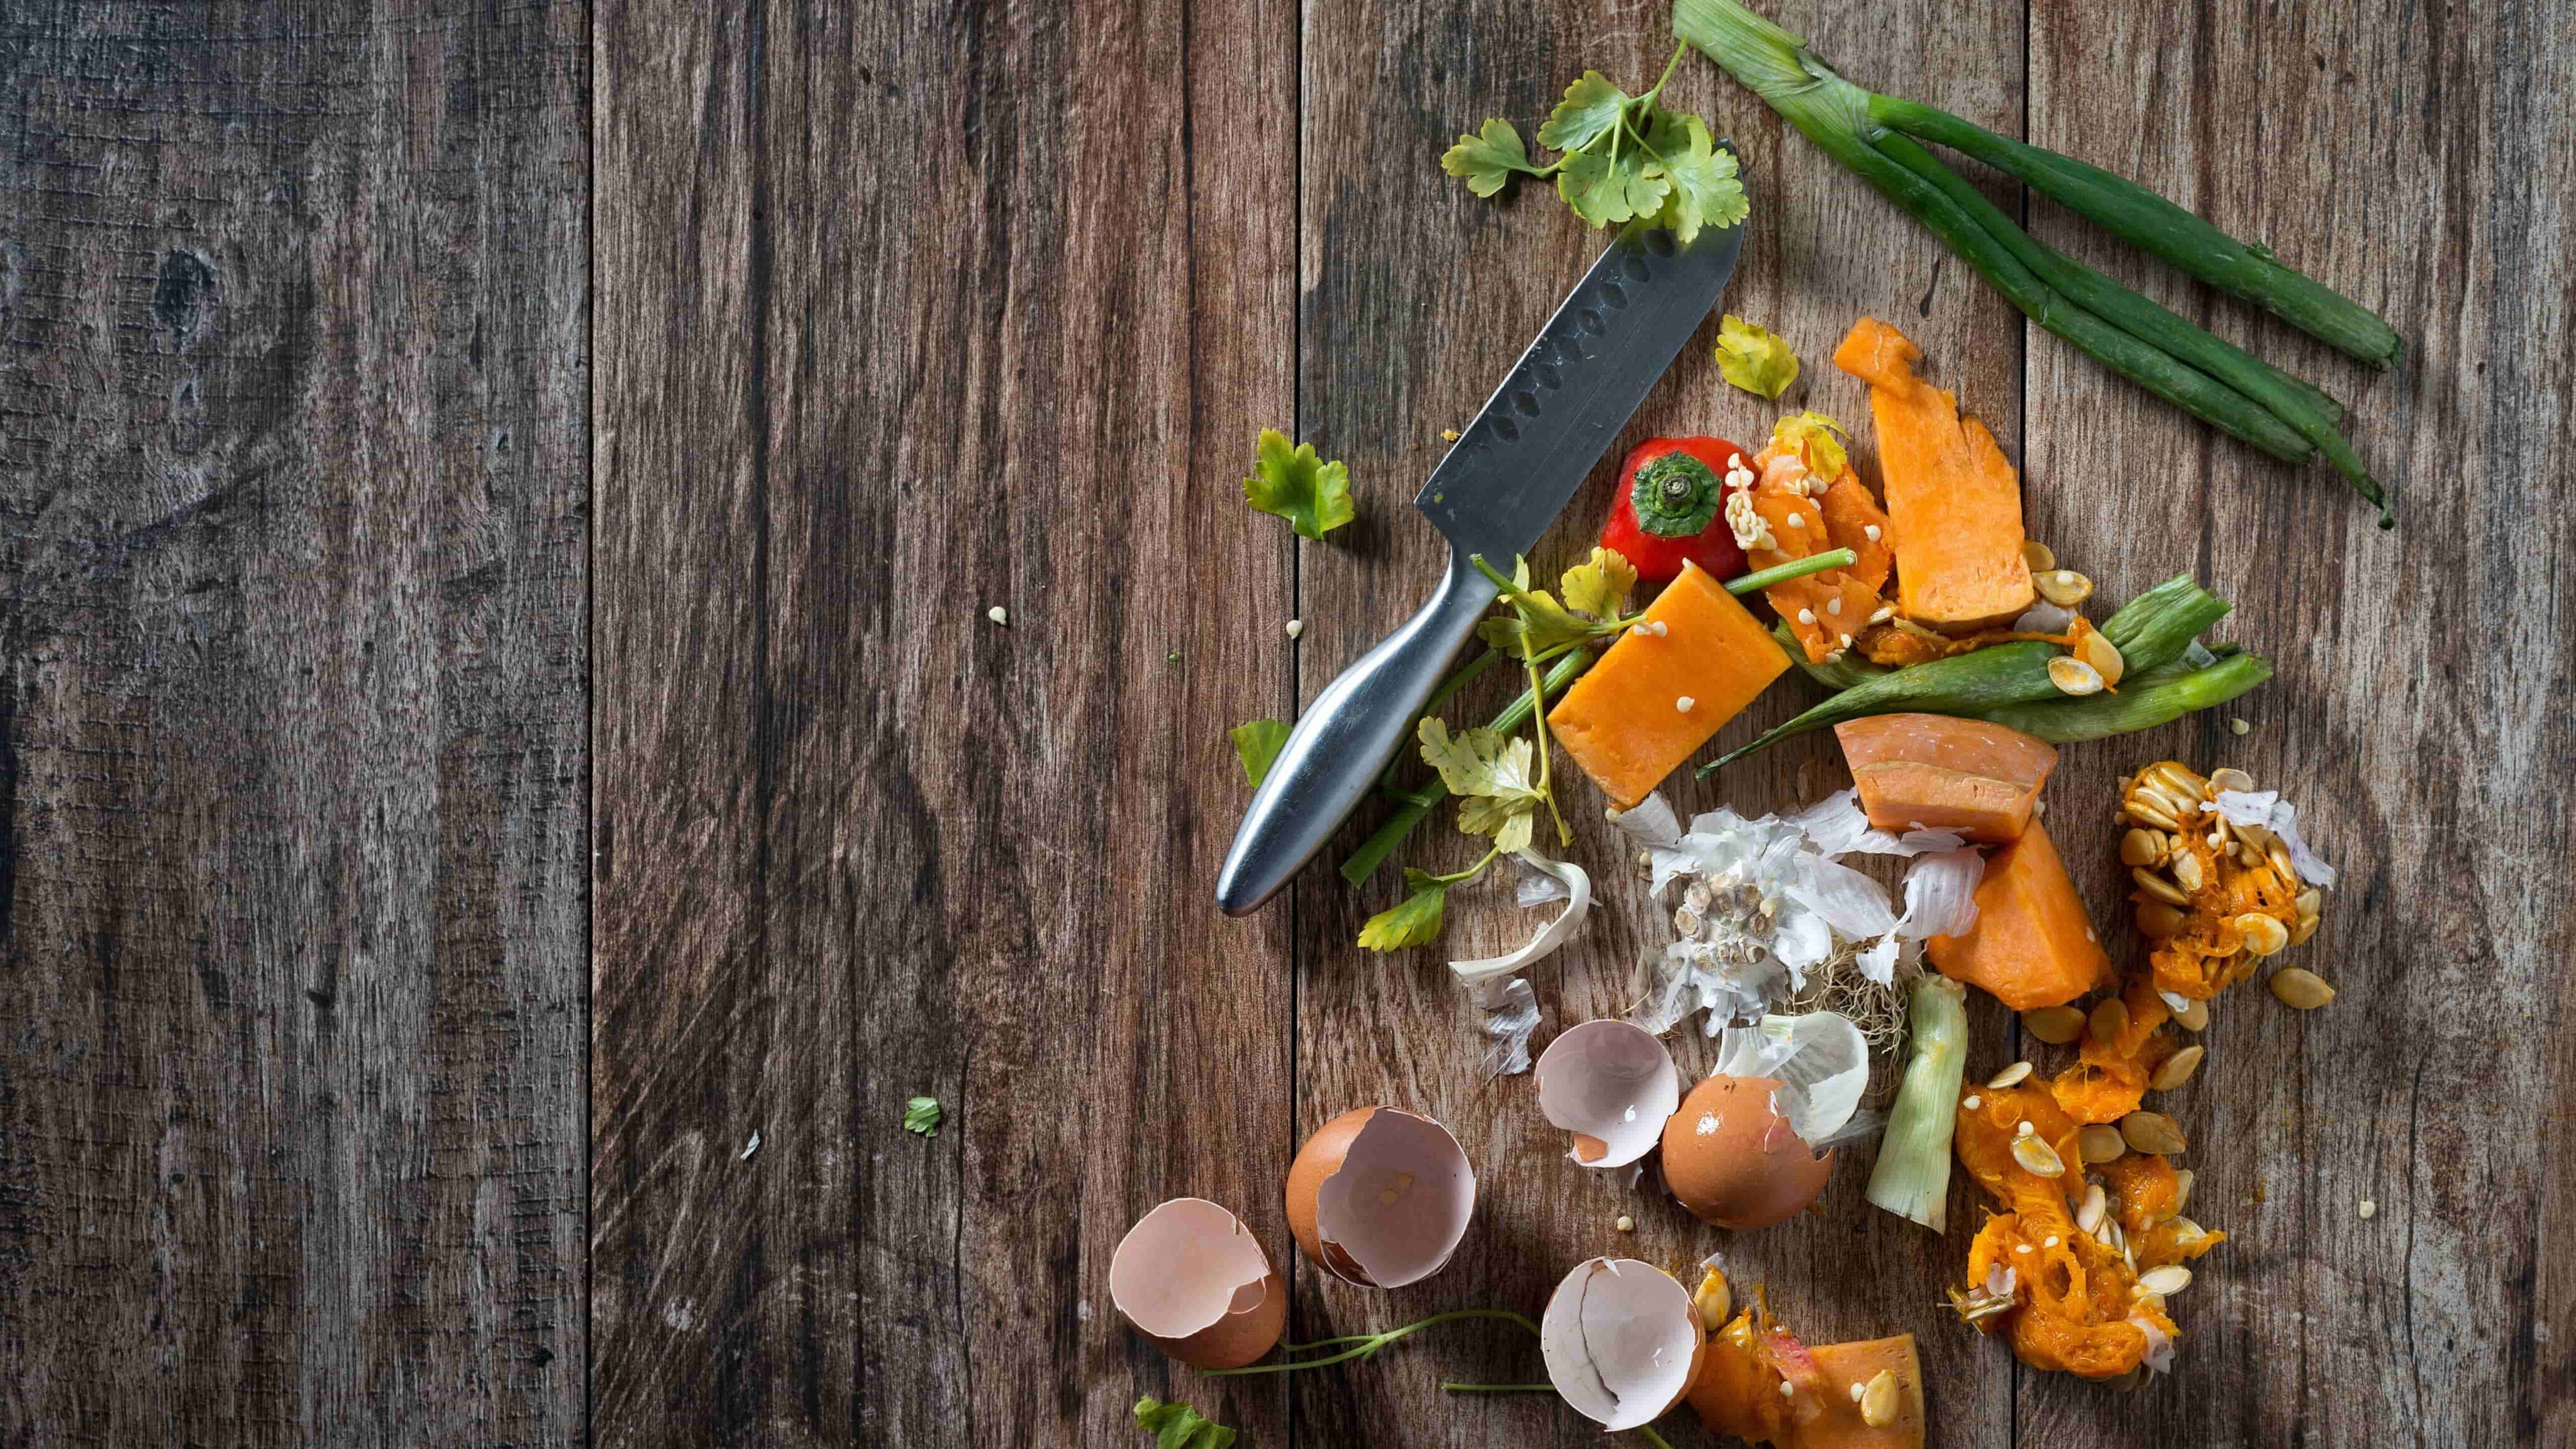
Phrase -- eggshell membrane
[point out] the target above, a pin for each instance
(1380, 1197)
(1195, 1281)
(1612, 1085)
(1622, 1341)
(1734, 1161)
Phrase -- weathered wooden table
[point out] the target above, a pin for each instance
(509, 784)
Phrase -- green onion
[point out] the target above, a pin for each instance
(1912, 1175)
(2131, 335)
(2157, 226)
(2145, 700)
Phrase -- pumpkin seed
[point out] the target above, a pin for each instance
(2010, 1076)
(2168, 800)
(2222, 780)
(2310, 904)
(1713, 1300)
(2128, 1383)
(2074, 676)
(2098, 651)
(2159, 920)
(2194, 1017)
(2166, 1281)
(2182, 1199)
(2147, 814)
(2141, 847)
(2307, 927)
(2188, 872)
(2256, 836)
(2261, 934)
(2039, 556)
(2177, 1069)
(1878, 1401)
(2301, 990)
(2110, 1018)
(2282, 865)
(2100, 1142)
(2089, 1216)
(2152, 1132)
(2063, 587)
(2055, 1025)
(2037, 1158)
(2176, 775)
(2159, 887)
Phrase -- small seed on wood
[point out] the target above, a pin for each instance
(2159, 920)
(2141, 847)
(2100, 1142)
(2177, 1069)
(2229, 779)
(2194, 1017)
(2039, 556)
(2152, 1132)
(2182, 1198)
(2055, 1025)
(2010, 1076)
(2302, 990)
(2159, 887)
(2063, 587)
(2307, 927)
(2110, 1018)
(2166, 1281)
(2310, 903)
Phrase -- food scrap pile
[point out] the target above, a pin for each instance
(1956, 657)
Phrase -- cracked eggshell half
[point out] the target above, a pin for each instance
(1622, 1341)
(1733, 1160)
(1192, 1278)
(1380, 1197)
(1612, 1085)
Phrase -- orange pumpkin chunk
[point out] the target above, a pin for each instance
(1624, 722)
(2032, 945)
(1931, 770)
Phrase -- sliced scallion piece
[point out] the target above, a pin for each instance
(1912, 1176)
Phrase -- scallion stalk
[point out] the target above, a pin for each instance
(1912, 1176)
(2144, 701)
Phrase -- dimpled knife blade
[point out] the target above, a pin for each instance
(1563, 404)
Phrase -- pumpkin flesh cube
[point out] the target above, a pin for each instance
(1622, 722)
(1953, 500)
(1933, 771)
(2032, 944)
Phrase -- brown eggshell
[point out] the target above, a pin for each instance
(1733, 1161)
(1319, 1159)
(1196, 1284)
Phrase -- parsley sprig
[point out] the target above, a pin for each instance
(1621, 158)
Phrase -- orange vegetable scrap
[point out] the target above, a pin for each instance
(1758, 1383)
(1799, 497)
(1953, 498)
(2068, 1297)
(1665, 688)
(2032, 944)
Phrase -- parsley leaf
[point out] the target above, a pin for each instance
(1178, 1426)
(1705, 188)
(1494, 776)
(1600, 585)
(1592, 108)
(1292, 482)
(1606, 190)
(1812, 437)
(1413, 921)
(1538, 622)
(1486, 159)
(921, 1115)
(1257, 743)
(1754, 359)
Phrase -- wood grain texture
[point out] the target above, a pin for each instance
(292, 765)
(1396, 348)
(858, 843)
(2410, 718)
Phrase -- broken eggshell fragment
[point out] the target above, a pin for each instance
(1622, 1341)
(1380, 1197)
(1612, 1085)
(1193, 1279)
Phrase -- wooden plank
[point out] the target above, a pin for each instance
(292, 518)
(1418, 297)
(906, 313)
(2407, 720)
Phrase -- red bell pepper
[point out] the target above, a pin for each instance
(1671, 508)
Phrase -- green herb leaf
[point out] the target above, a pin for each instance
(1599, 586)
(1536, 624)
(1292, 482)
(1592, 108)
(1494, 776)
(1487, 159)
(1257, 743)
(1607, 190)
(1705, 190)
(1813, 436)
(921, 1115)
(1413, 921)
(1754, 359)
(1178, 1426)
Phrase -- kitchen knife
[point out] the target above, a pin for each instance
(1495, 493)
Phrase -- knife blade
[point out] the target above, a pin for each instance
(1493, 494)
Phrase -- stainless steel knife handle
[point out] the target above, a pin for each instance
(1344, 740)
